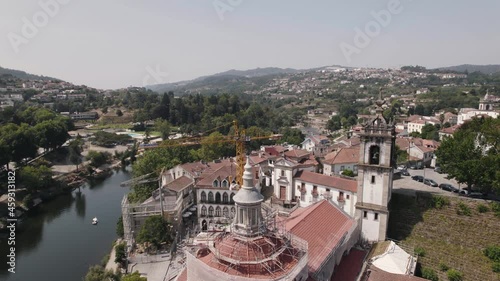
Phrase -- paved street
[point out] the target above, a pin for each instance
(409, 186)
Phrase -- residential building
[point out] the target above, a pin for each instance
(317, 144)
(338, 161)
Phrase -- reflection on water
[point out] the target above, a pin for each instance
(58, 241)
(80, 204)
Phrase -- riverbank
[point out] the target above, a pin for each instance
(65, 183)
(60, 235)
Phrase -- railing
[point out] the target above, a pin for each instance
(341, 199)
(327, 195)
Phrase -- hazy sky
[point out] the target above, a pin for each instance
(114, 44)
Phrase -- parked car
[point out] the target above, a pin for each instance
(405, 173)
(438, 170)
(418, 178)
(430, 182)
(402, 167)
(476, 195)
(448, 187)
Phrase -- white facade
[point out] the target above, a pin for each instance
(415, 127)
(469, 114)
(337, 169)
(375, 178)
(311, 193)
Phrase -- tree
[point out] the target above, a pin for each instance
(134, 277)
(97, 273)
(163, 127)
(292, 136)
(119, 227)
(429, 132)
(98, 158)
(36, 178)
(419, 109)
(121, 253)
(75, 148)
(334, 123)
(472, 155)
(156, 231)
(51, 134)
(215, 146)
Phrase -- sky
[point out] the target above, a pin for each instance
(114, 44)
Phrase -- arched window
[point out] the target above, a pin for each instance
(225, 212)
(203, 211)
(232, 195)
(203, 196)
(225, 198)
(224, 183)
(217, 212)
(210, 197)
(233, 210)
(217, 198)
(374, 155)
(211, 211)
(215, 183)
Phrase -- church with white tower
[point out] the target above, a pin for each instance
(375, 170)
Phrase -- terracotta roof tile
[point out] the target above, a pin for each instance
(183, 276)
(297, 153)
(179, 184)
(344, 155)
(350, 185)
(322, 238)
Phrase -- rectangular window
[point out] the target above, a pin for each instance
(365, 214)
(282, 173)
(347, 196)
(376, 216)
(373, 179)
(342, 168)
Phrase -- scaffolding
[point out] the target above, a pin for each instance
(134, 215)
(273, 253)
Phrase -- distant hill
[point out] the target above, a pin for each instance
(486, 69)
(232, 79)
(23, 75)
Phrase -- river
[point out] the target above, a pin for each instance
(58, 242)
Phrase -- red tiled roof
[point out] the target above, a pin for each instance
(350, 266)
(183, 276)
(329, 181)
(345, 155)
(297, 153)
(179, 184)
(322, 225)
(413, 118)
(376, 274)
(450, 130)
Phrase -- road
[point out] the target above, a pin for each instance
(409, 186)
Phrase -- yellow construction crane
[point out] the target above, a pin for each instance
(239, 138)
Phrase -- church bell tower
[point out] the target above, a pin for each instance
(375, 170)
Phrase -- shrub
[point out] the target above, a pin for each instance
(493, 253)
(420, 251)
(496, 267)
(430, 274)
(439, 202)
(463, 209)
(482, 208)
(495, 207)
(443, 266)
(454, 275)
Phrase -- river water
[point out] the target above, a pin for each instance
(59, 243)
